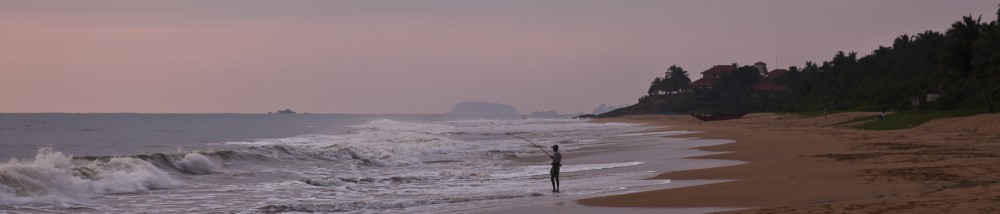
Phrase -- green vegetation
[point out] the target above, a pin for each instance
(675, 81)
(905, 120)
(960, 68)
(857, 120)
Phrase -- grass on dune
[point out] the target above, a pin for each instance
(909, 119)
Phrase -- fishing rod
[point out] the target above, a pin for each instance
(532, 143)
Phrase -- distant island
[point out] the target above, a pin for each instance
(482, 108)
(286, 111)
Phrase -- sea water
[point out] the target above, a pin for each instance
(241, 163)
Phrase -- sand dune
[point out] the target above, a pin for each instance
(799, 165)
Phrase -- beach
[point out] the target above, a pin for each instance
(764, 162)
(818, 164)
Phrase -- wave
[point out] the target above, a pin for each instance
(196, 163)
(53, 178)
(379, 143)
(389, 204)
(396, 179)
(397, 126)
(324, 182)
(389, 143)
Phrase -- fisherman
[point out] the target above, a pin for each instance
(556, 163)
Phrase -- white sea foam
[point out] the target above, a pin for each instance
(391, 204)
(53, 177)
(544, 169)
(197, 164)
(392, 125)
(392, 143)
(333, 181)
(377, 143)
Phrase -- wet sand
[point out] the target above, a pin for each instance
(800, 165)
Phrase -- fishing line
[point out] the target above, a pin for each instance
(532, 143)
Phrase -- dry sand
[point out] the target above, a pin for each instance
(815, 165)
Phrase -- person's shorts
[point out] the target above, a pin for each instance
(555, 171)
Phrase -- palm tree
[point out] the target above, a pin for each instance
(986, 62)
(958, 54)
(654, 88)
(679, 78)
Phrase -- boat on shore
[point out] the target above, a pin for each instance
(718, 116)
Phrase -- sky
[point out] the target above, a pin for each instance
(414, 56)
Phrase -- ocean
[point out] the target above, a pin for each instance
(255, 163)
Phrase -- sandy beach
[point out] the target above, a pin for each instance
(817, 164)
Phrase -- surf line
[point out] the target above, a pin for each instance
(532, 143)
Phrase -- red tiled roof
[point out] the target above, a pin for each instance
(776, 73)
(709, 82)
(704, 82)
(719, 69)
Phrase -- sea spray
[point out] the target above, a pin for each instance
(397, 126)
(197, 164)
(49, 178)
(129, 175)
(53, 178)
(379, 143)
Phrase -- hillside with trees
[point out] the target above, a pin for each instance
(957, 69)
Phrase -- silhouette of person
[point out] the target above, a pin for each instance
(556, 163)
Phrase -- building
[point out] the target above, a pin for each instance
(767, 83)
(712, 76)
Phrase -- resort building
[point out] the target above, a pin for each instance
(712, 76)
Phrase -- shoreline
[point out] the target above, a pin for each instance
(660, 151)
(798, 164)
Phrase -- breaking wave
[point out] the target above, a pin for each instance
(396, 126)
(198, 163)
(430, 176)
(379, 143)
(53, 177)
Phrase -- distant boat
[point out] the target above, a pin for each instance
(286, 111)
(718, 116)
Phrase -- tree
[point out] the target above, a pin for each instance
(746, 76)
(655, 87)
(679, 80)
(957, 57)
(962, 65)
(986, 63)
(731, 91)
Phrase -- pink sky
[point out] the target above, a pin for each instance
(413, 56)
